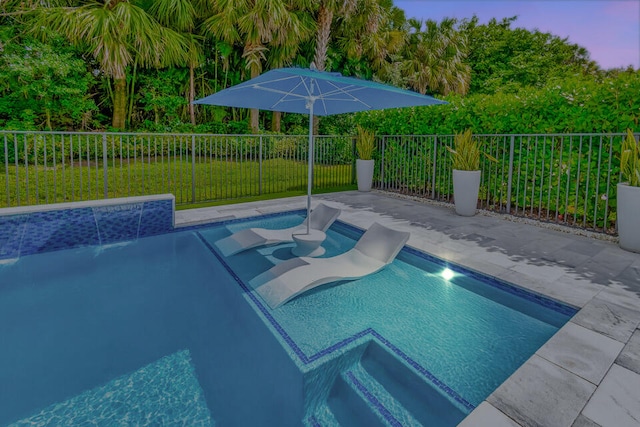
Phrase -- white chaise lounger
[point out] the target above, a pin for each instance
(321, 219)
(376, 249)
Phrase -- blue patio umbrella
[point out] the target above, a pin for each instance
(313, 92)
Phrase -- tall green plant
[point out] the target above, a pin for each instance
(365, 143)
(465, 155)
(630, 160)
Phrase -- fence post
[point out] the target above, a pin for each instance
(260, 167)
(510, 178)
(434, 169)
(105, 166)
(193, 168)
(6, 168)
(384, 139)
(353, 162)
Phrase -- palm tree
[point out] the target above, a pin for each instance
(181, 16)
(357, 22)
(327, 9)
(115, 32)
(395, 33)
(257, 25)
(371, 35)
(436, 58)
(288, 46)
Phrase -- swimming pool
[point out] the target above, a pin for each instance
(164, 328)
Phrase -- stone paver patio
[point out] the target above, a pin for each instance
(588, 374)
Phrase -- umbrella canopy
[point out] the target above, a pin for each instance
(313, 92)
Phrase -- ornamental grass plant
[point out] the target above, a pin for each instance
(465, 154)
(365, 143)
(630, 160)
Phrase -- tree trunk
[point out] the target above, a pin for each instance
(47, 112)
(192, 95)
(119, 103)
(325, 17)
(254, 120)
(253, 114)
(276, 121)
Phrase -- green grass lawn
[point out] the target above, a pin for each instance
(216, 181)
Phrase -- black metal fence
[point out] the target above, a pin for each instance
(564, 178)
(53, 167)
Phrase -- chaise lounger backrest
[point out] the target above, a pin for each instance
(322, 217)
(382, 243)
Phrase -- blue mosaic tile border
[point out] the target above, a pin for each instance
(337, 346)
(118, 223)
(373, 400)
(156, 218)
(54, 230)
(43, 231)
(11, 232)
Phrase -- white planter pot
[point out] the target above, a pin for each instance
(629, 217)
(466, 185)
(364, 170)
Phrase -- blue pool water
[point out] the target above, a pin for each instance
(164, 329)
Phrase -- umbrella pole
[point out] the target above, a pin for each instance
(310, 166)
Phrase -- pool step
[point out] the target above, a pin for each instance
(349, 403)
(323, 417)
(382, 388)
(427, 404)
(388, 410)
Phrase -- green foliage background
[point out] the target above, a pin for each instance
(521, 81)
(570, 105)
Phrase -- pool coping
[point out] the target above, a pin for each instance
(548, 389)
(87, 204)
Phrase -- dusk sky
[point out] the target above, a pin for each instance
(609, 29)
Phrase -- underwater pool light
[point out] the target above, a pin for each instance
(447, 274)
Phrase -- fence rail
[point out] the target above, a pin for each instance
(564, 178)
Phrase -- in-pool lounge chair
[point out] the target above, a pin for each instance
(321, 219)
(376, 249)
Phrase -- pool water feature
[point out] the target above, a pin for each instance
(400, 347)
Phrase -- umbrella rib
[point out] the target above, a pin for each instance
(286, 94)
(282, 92)
(327, 96)
(249, 83)
(345, 91)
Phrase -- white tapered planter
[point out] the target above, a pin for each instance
(628, 214)
(466, 185)
(364, 171)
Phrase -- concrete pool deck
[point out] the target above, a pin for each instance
(586, 375)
